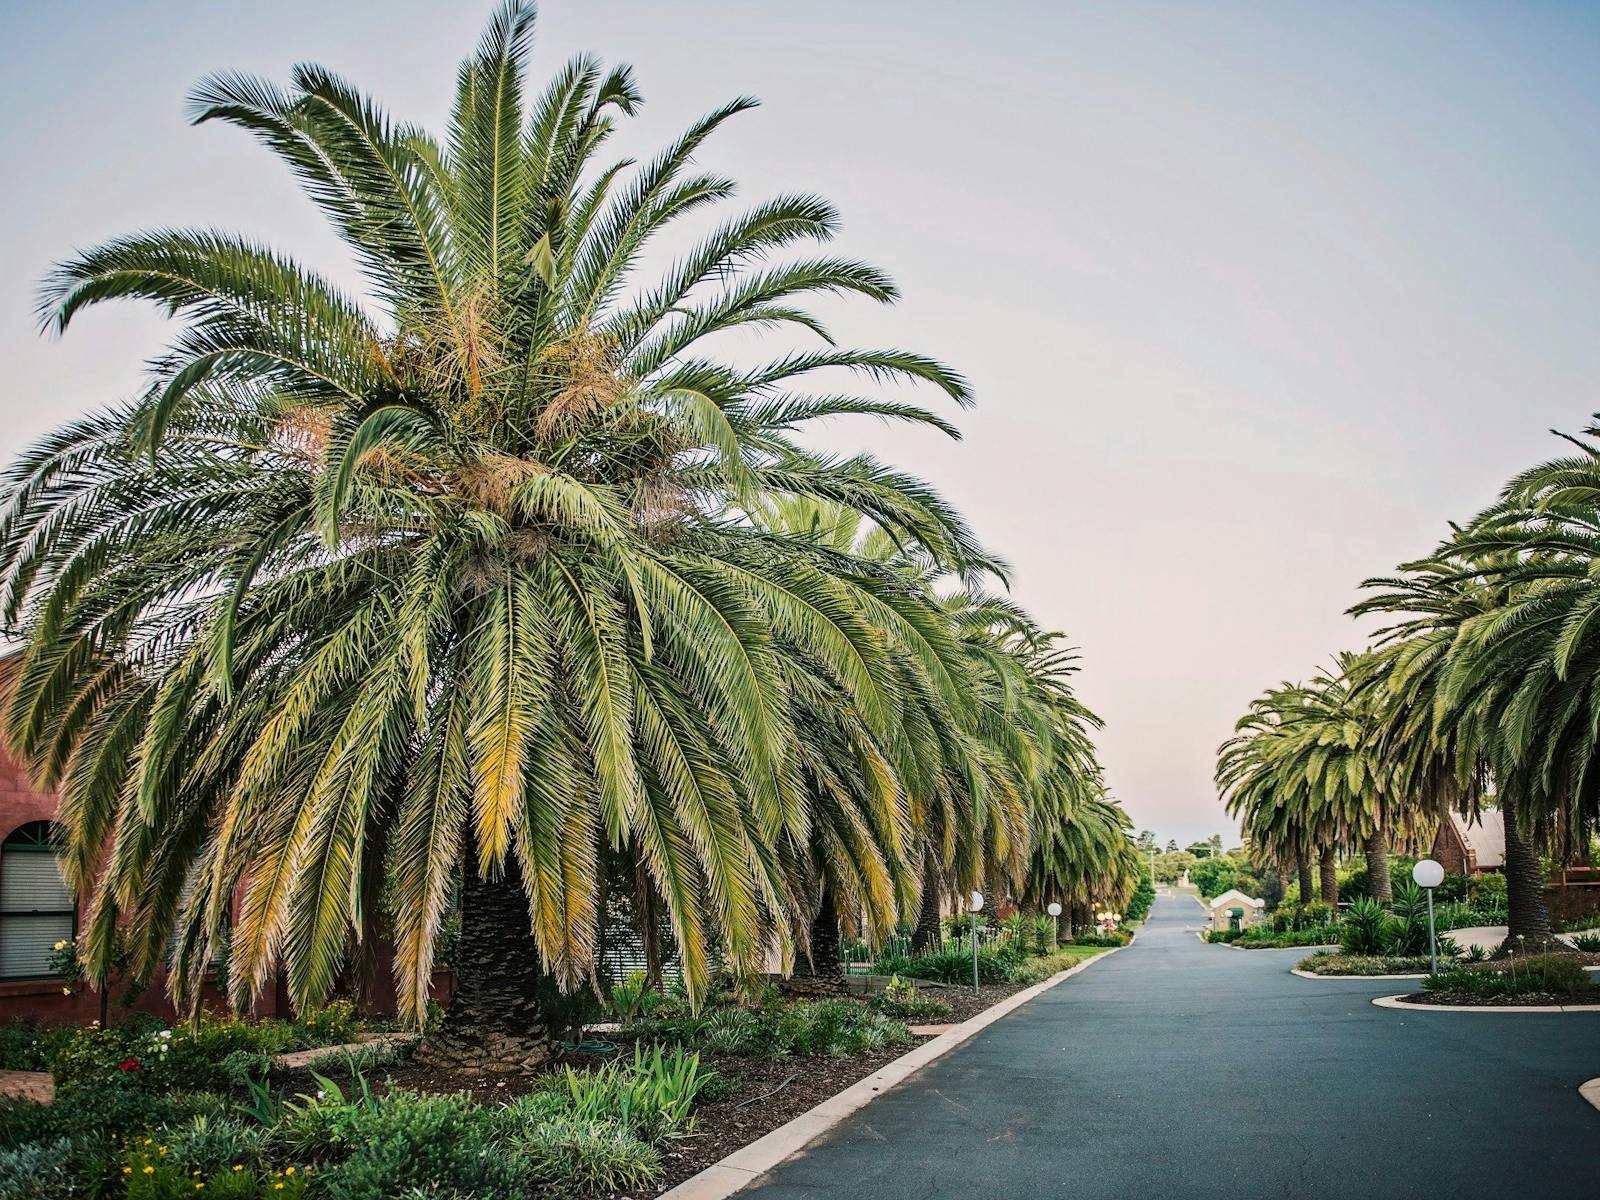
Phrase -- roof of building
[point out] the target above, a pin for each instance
(1486, 837)
(1235, 896)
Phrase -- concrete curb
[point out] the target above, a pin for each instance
(1400, 1002)
(1314, 975)
(747, 1164)
(1590, 1091)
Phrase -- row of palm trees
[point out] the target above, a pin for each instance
(507, 577)
(1482, 688)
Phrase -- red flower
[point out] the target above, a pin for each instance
(131, 1064)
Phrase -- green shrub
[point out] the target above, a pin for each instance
(335, 1024)
(1265, 939)
(584, 1156)
(37, 1171)
(239, 1067)
(1350, 964)
(952, 963)
(1224, 935)
(374, 1056)
(651, 1096)
(1406, 933)
(26, 1045)
(408, 1140)
(1587, 942)
(901, 1001)
(112, 1112)
(1101, 939)
(214, 1144)
(1488, 891)
(1542, 974)
(837, 1027)
(1362, 931)
(149, 1172)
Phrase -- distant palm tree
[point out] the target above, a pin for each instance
(453, 581)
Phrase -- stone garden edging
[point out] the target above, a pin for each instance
(748, 1163)
(1401, 1002)
(1590, 1091)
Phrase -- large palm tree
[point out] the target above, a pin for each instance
(452, 578)
(1497, 640)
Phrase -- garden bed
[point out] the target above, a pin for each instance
(366, 1117)
(1362, 966)
(1562, 1000)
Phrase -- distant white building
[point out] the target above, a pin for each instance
(1234, 910)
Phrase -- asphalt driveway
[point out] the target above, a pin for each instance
(1182, 1071)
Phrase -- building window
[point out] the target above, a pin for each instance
(37, 909)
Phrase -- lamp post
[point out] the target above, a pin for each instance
(1054, 909)
(974, 906)
(1428, 875)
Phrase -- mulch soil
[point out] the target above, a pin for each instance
(964, 1002)
(766, 1092)
(1525, 1000)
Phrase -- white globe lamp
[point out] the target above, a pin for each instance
(974, 906)
(1053, 909)
(1428, 875)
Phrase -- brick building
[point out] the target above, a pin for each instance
(38, 910)
(1471, 849)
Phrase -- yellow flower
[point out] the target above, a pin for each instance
(238, 1166)
(127, 1170)
(149, 1170)
(290, 1171)
(277, 1187)
(199, 1186)
(61, 945)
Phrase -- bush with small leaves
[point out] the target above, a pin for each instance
(407, 1140)
(37, 1170)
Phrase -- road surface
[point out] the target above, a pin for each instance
(1177, 1070)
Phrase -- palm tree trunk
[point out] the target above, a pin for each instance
(926, 936)
(648, 919)
(823, 965)
(1330, 877)
(1302, 863)
(1378, 866)
(1527, 916)
(494, 1022)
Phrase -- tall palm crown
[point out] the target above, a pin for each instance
(457, 571)
(1494, 659)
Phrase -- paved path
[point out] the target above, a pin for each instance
(1182, 1071)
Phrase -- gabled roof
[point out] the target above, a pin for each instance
(1486, 837)
(1235, 896)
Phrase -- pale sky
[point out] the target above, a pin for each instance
(1254, 297)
